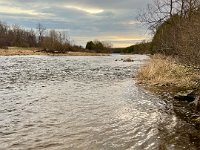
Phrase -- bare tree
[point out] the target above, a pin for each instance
(175, 24)
(41, 30)
(157, 13)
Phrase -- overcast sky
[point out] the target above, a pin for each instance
(84, 20)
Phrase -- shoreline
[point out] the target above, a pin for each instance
(35, 51)
(174, 82)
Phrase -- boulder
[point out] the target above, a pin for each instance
(188, 95)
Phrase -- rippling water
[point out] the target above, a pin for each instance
(86, 103)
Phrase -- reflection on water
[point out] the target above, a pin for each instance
(81, 103)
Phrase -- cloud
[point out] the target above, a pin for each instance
(83, 19)
(19, 11)
(87, 10)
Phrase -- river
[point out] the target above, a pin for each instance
(84, 103)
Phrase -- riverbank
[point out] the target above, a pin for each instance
(36, 51)
(164, 75)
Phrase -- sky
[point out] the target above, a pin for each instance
(83, 20)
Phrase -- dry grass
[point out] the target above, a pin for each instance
(35, 51)
(19, 51)
(165, 71)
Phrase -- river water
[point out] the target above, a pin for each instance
(84, 103)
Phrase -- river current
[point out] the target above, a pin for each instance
(83, 103)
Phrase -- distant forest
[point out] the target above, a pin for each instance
(50, 41)
(139, 48)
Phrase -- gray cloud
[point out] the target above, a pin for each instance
(113, 20)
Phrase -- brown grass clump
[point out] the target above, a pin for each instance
(165, 71)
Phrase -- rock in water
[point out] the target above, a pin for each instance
(188, 96)
(128, 60)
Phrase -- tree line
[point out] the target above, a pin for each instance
(139, 48)
(175, 25)
(16, 36)
(99, 46)
(48, 40)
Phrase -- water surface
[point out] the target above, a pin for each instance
(86, 103)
